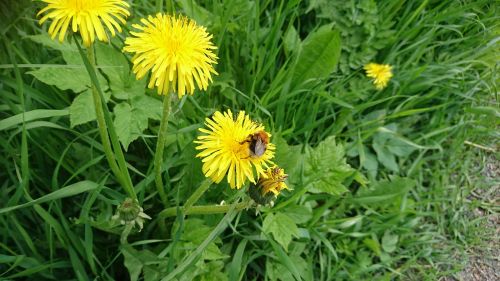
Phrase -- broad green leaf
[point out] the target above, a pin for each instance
(319, 56)
(389, 242)
(114, 65)
(399, 147)
(129, 123)
(45, 40)
(148, 106)
(128, 87)
(67, 191)
(68, 49)
(82, 109)
(326, 168)
(111, 62)
(282, 227)
(135, 261)
(384, 191)
(75, 79)
(299, 213)
(70, 78)
(385, 156)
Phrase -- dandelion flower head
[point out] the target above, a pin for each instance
(381, 74)
(91, 18)
(226, 149)
(273, 181)
(178, 52)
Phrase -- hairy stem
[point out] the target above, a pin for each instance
(160, 146)
(205, 209)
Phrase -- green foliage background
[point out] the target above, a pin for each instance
(380, 179)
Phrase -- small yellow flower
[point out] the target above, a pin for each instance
(89, 17)
(273, 181)
(226, 148)
(381, 73)
(269, 186)
(178, 52)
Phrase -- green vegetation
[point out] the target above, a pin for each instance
(381, 181)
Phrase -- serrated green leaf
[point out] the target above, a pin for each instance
(132, 262)
(148, 106)
(129, 123)
(75, 79)
(82, 109)
(45, 40)
(326, 168)
(128, 87)
(111, 62)
(319, 56)
(299, 213)
(136, 261)
(282, 228)
(114, 65)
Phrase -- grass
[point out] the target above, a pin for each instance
(412, 221)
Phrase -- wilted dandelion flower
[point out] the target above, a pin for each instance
(274, 181)
(90, 18)
(234, 146)
(178, 52)
(131, 213)
(270, 184)
(381, 73)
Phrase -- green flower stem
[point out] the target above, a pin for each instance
(197, 193)
(118, 165)
(108, 151)
(160, 146)
(206, 209)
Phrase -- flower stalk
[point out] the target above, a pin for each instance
(197, 193)
(101, 122)
(160, 146)
(112, 148)
(206, 209)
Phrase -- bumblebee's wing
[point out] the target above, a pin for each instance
(260, 148)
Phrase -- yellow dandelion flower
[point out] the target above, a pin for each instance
(269, 186)
(273, 181)
(237, 147)
(176, 50)
(90, 18)
(381, 73)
